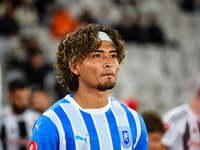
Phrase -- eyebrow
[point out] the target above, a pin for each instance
(101, 51)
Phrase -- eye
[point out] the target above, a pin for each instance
(114, 56)
(97, 55)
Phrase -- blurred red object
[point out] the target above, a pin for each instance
(132, 103)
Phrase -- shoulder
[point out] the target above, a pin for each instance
(51, 125)
(43, 125)
(176, 114)
(57, 104)
(173, 118)
(135, 119)
(125, 108)
(5, 112)
(58, 113)
(175, 122)
(44, 133)
(32, 113)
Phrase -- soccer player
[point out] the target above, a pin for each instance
(16, 119)
(88, 118)
(183, 126)
(155, 129)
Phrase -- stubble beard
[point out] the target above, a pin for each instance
(18, 110)
(106, 85)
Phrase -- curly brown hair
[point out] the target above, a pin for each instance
(77, 45)
(153, 121)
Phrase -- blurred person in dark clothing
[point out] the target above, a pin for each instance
(44, 8)
(30, 46)
(125, 28)
(189, 6)
(86, 18)
(29, 59)
(132, 29)
(125, 2)
(155, 32)
(26, 14)
(16, 119)
(139, 32)
(22, 54)
(8, 24)
(36, 70)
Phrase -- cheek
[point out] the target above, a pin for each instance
(90, 68)
(116, 67)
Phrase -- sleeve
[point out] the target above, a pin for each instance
(172, 131)
(143, 140)
(44, 135)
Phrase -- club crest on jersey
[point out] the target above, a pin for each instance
(125, 136)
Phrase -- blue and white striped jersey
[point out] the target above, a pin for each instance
(66, 126)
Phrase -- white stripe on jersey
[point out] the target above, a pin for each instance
(138, 125)
(75, 118)
(56, 120)
(118, 112)
(101, 124)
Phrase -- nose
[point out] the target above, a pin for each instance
(108, 63)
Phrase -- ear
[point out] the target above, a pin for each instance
(74, 68)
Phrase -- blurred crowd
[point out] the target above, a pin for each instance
(190, 6)
(28, 58)
(16, 15)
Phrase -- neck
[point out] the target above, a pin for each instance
(195, 105)
(91, 99)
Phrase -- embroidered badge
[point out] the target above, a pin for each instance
(125, 136)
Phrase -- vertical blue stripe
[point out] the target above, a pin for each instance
(94, 141)
(132, 124)
(69, 135)
(113, 130)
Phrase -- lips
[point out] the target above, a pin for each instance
(108, 73)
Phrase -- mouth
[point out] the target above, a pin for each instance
(108, 74)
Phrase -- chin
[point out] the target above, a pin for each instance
(106, 86)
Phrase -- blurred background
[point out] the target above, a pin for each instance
(162, 65)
